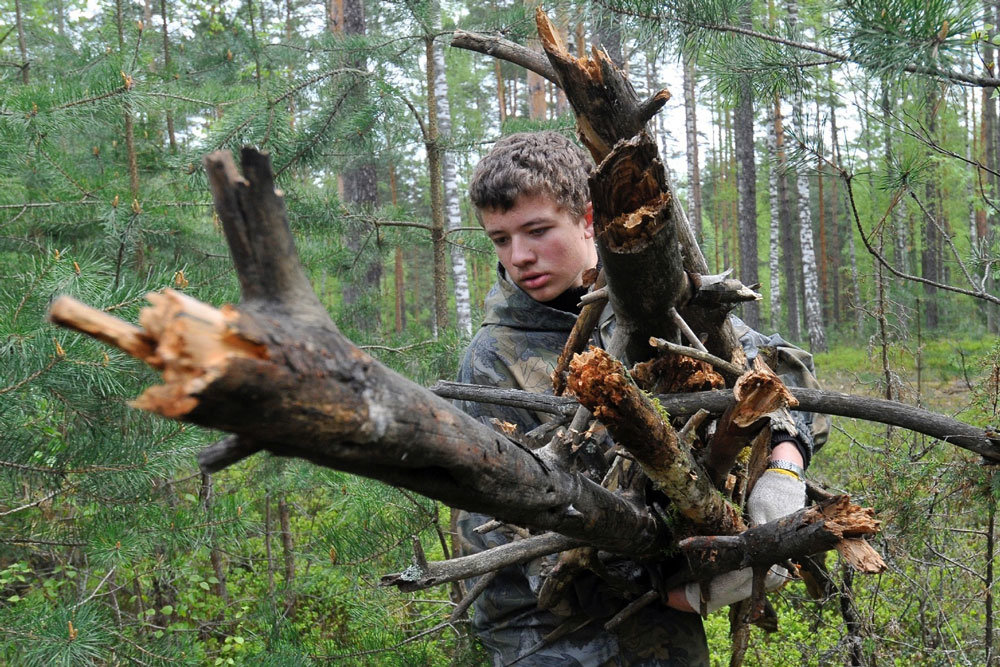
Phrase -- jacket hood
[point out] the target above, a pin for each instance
(508, 305)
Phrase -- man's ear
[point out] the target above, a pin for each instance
(588, 221)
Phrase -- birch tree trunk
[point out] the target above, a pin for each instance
(813, 311)
(774, 244)
(691, 131)
(432, 141)
(452, 211)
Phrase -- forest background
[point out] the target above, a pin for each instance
(843, 155)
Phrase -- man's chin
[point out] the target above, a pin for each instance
(541, 294)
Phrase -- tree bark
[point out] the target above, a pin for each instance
(774, 238)
(691, 133)
(746, 184)
(449, 177)
(167, 72)
(22, 45)
(360, 183)
(432, 142)
(288, 552)
(786, 221)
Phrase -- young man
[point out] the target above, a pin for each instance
(532, 199)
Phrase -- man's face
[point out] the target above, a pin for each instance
(542, 246)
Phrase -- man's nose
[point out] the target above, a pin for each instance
(521, 253)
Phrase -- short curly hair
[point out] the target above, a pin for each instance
(532, 163)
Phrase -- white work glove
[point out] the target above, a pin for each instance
(775, 495)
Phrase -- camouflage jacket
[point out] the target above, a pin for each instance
(517, 347)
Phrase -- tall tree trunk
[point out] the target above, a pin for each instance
(288, 550)
(838, 236)
(167, 72)
(929, 258)
(746, 182)
(823, 251)
(360, 185)
(774, 238)
(61, 18)
(991, 152)
(501, 92)
(789, 259)
(789, 263)
(133, 162)
(215, 555)
(399, 318)
(268, 554)
(814, 314)
(691, 132)
(432, 142)
(453, 212)
(22, 44)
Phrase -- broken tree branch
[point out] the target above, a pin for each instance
(440, 572)
(603, 386)
(984, 442)
(277, 371)
(810, 530)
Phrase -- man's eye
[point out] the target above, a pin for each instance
(499, 240)
(538, 231)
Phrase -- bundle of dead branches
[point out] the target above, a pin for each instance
(276, 373)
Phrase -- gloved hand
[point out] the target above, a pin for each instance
(775, 495)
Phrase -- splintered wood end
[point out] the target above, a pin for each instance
(196, 343)
(547, 33)
(852, 523)
(597, 380)
(192, 342)
(72, 314)
(759, 392)
(861, 556)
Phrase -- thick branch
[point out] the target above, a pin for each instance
(603, 386)
(981, 441)
(278, 373)
(810, 530)
(504, 49)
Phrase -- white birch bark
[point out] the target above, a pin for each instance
(774, 245)
(453, 213)
(814, 312)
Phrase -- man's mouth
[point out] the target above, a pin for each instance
(534, 280)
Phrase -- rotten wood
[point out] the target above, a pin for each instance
(811, 530)
(758, 393)
(728, 370)
(637, 242)
(604, 387)
(580, 335)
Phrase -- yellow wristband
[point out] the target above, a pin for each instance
(786, 472)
